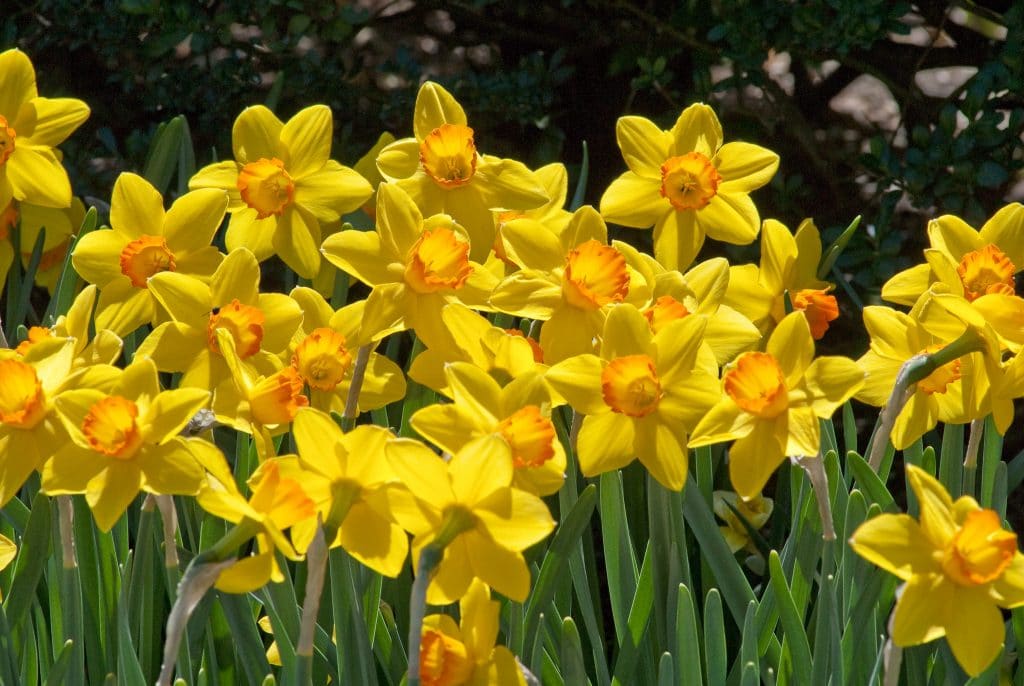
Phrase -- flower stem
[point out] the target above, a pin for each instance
(358, 374)
(815, 470)
(316, 566)
(430, 556)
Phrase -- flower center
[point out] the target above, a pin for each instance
(144, 257)
(818, 307)
(110, 427)
(448, 155)
(443, 660)
(986, 271)
(689, 181)
(630, 385)
(757, 385)
(35, 334)
(266, 187)
(243, 322)
(439, 260)
(937, 381)
(980, 551)
(277, 398)
(8, 218)
(322, 359)
(664, 310)
(530, 435)
(7, 136)
(21, 395)
(595, 275)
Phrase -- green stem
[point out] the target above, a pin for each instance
(430, 556)
(913, 370)
(316, 565)
(358, 374)
(200, 576)
(71, 592)
(815, 470)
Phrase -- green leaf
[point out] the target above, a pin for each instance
(687, 644)
(869, 481)
(620, 561)
(572, 654)
(552, 570)
(28, 568)
(639, 615)
(170, 151)
(714, 638)
(829, 257)
(792, 622)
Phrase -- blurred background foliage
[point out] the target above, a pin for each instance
(897, 111)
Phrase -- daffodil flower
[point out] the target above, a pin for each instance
(282, 184)
(254, 403)
(416, 266)
(951, 394)
(640, 397)
(519, 412)
(504, 354)
(323, 352)
(59, 223)
(470, 505)
(700, 291)
(125, 441)
(569, 281)
(443, 173)
(30, 431)
(262, 324)
(465, 653)
(345, 474)
(972, 262)
(142, 241)
(958, 565)
(789, 264)
(687, 184)
(730, 508)
(552, 215)
(772, 404)
(103, 349)
(275, 505)
(30, 128)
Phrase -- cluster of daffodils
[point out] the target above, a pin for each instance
(540, 338)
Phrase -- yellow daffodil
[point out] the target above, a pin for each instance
(569, 281)
(443, 173)
(125, 441)
(465, 653)
(103, 349)
(640, 397)
(699, 291)
(31, 219)
(468, 501)
(275, 505)
(520, 413)
(142, 241)
(30, 127)
(789, 264)
(552, 215)
(324, 351)
(686, 184)
(737, 514)
(505, 354)
(345, 475)
(415, 266)
(282, 184)
(30, 431)
(973, 263)
(950, 394)
(253, 403)
(772, 403)
(958, 565)
(262, 324)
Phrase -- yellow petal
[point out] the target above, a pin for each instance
(935, 507)
(697, 130)
(435, 106)
(1006, 230)
(661, 448)
(791, 344)
(171, 411)
(123, 308)
(479, 619)
(97, 257)
(922, 613)
(896, 544)
(502, 569)
(297, 241)
(421, 470)
(756, 456)
(955, 237)
(804, 432)
(186, 298)
(830, 382)
(136, 207)
(527, 522)
(194, 218)
(256, 135)
(246, 575)
(678, 238)
(745, 167)
(730, 217)
(644, 146)
(17, 82)
(778, 255)
(605, 442)
(531, 245)
(907, 285)
(481, 469)
(399, 159)
(528, 293)
(359, 254)
(307, 138)
(36, 176)
(977, 633)
(578, 380)
(373, 540)
(49, 121)
(633, 200)
(332, 191)
(111, 491)
(237, 277)
(170, 469)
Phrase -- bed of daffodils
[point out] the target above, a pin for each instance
(417, 420)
